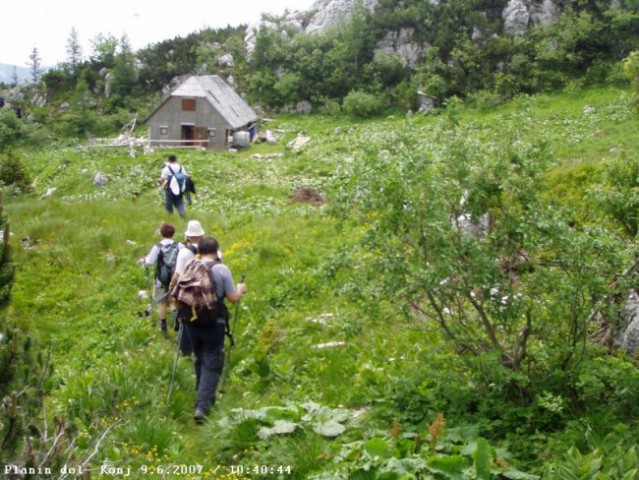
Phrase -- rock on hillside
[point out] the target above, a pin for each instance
(518, 16)
(330, 13)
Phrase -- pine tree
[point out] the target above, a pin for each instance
(74, 53)
(35, 65)
(6, 267)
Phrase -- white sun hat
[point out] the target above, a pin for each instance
(194, 229)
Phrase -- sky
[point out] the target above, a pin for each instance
(46, 25)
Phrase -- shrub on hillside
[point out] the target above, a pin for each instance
(13, 174)
(10, 127)
(362, 104)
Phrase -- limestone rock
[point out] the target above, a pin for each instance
(401, 43)
(331, 13)
(100, 179)
(628, 336)
(516, 17)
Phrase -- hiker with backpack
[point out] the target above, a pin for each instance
(194, 233)
(200, 293)
(164, 256)
(174, 180)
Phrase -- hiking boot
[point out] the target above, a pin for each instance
(199, 416)
(163, 326)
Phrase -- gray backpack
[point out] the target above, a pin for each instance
(167, 259)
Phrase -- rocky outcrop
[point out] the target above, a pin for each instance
(332, 13)
(401, 43)
(322, 16)
(516, 17)
(520, 14)
(628, 335)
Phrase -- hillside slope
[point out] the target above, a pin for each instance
(329, 378)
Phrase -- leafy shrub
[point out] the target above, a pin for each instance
(615, 456)
(362, 104)
(330, 107)
(10, 127)
(485, 100)
(13, 173)
(611, 383)
(618, 194)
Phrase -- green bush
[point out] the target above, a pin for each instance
(362, 104)
(13, 174)
(10, 127)
(330, 107)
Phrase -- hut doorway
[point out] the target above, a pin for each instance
(188, 134)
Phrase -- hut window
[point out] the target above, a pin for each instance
(164, 130)
(188, 104)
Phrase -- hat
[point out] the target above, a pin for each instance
(194, 229)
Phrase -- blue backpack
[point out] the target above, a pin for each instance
(179, 177)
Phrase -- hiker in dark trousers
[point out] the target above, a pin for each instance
(208, 341)
(194, 233)
(173, 179)
(160, 291)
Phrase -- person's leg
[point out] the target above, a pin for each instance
(168, 200)
(210, 374)
(159, 296)
(196, 344)
(186, 348)
(179, 205)
(211, 363)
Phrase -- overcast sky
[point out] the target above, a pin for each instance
(46, 24)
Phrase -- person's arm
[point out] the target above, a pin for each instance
(180, 262)
(151, 258)
(238, 293)
(163, 176)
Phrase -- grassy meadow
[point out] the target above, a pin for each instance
(393, 400)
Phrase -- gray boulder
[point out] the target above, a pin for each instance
(401, 43)
(628, 335)
(332, 13)
(226, 60)
(304, 107)
(519, 14)
(516, 17)
(100, 179)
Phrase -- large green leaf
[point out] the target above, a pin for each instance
(483, 459)
(376, 447)
(329, 429)
(280, 427)
(451, 464)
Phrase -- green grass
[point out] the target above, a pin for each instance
(76, 288)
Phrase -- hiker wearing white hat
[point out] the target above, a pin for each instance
(194, 229)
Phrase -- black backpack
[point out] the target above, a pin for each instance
(167, 259)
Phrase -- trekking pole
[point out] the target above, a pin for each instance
(227, 363)
(175, 364)
(152, 303)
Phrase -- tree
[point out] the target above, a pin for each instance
(74, 53)
(104, 51)
(35, 65)
(6, 266)
(631, 71)
(124, 72)
(469, 241)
